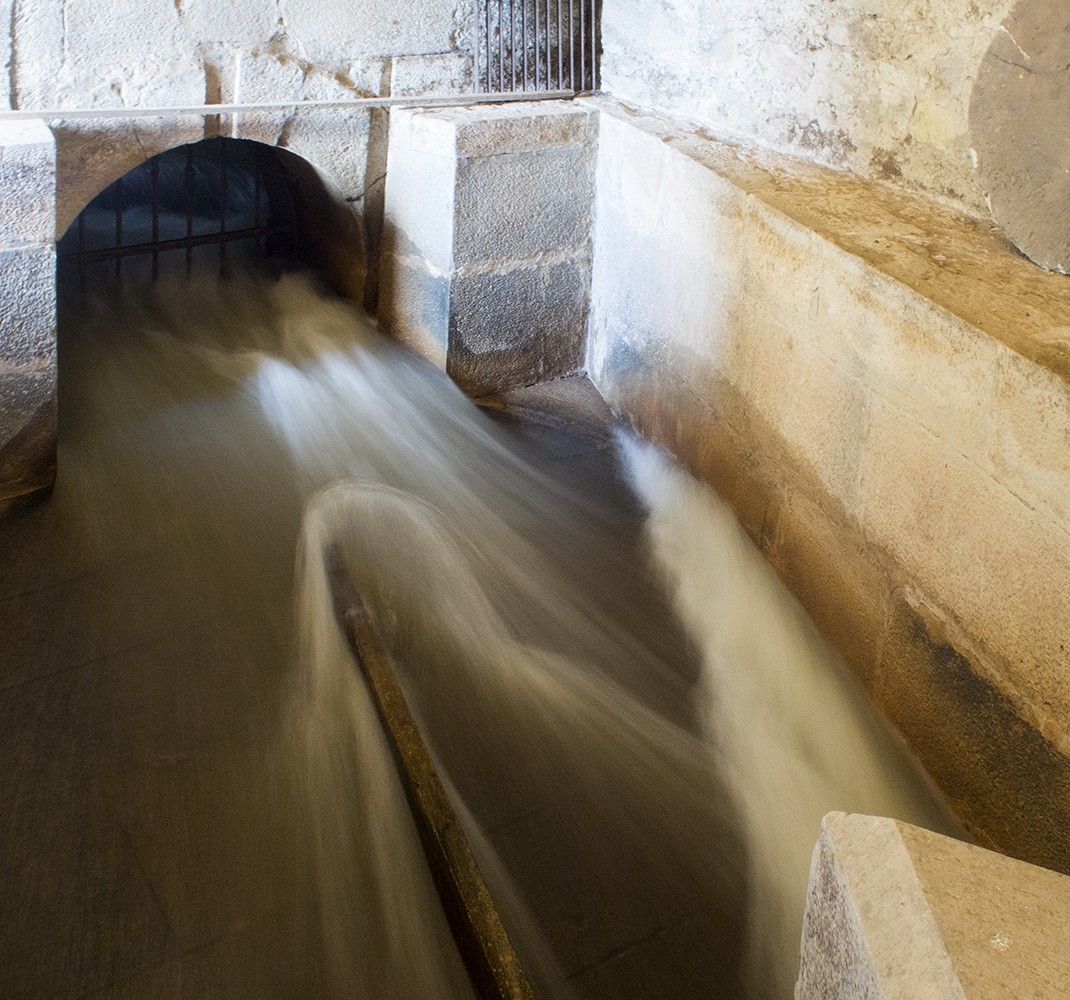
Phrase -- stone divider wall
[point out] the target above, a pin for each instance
(881, 388)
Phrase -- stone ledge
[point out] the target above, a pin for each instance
(894, 911)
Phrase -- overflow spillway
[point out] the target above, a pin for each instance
(210, 774)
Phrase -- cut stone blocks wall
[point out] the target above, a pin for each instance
(897, 912)
(27, 312)
(881, 388)
(487, 244)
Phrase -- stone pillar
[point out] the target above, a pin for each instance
(27, 311)
(487, 243)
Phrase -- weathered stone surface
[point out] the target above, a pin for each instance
(882, 92)
(519, 205)
(1007, 782)
(519, 327)
(868, 931)
(28, 182)
(1020, 130)
(27, 307)
(896, 911)
(1005, 925)
(415, 307)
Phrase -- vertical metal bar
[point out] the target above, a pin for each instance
(594, 45)
(486, 21)
(538, 38)
(155, 217)
(512, 45)
(475, 44)
(189, 210)
(81, 252)
(501, 46)
(118, 227)
(549, 49)
(224, 198)
(256, 201)
(524, 39)
(572, 45)
(561, 50)
(583, 45)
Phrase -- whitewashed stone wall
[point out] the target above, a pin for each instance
(130, 53)
(879, 87)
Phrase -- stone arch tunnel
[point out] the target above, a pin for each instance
(781, 244)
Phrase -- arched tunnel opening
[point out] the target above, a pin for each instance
(220, 207)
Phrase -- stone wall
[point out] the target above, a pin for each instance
(879, 87)
(130, 53)
(880, 386)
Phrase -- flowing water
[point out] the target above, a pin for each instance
(643, 808)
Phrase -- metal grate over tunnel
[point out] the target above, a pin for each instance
(218, 204)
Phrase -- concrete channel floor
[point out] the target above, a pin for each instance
(143, 852)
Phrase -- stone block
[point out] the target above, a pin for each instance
(438, 73)
(27, 307)
(415, 306)
(490, 130)
(28, 180)
(973, 546)
(1009, 784)
(419, 201)
(936, 368)
(867, 931)
(473, 197)
(896, 911)
(518, 327)
(518, 205)
(1032, 436)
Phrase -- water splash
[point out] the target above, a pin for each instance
(640, 808)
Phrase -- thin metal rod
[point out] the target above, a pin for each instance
(189, 210)
(583, 45)
(561, 49)
(81, 252)
(209, 110)
(487, 20)
(155, 217)
(118, 226)
(549, 49)
(183, 242)
(476, 45)
(524, 38)
(594, 45)
(513, 44)
(501, 44)
(223, 199)
(538, 36)
(571, 45)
